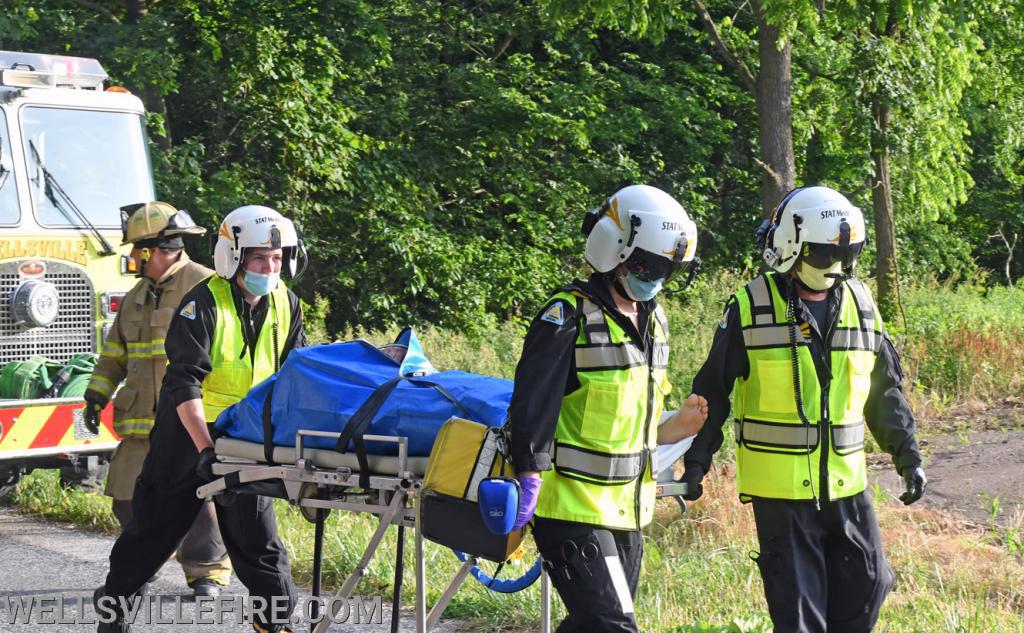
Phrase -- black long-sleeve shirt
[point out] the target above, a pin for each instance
(547, 371)
(886, 411)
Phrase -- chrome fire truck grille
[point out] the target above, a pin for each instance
(74, 330)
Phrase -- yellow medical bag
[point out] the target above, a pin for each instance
(465, 453)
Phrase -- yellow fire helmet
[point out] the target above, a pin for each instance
(153, 220)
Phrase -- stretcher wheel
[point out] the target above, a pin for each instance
(309, 490)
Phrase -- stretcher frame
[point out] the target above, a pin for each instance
(392, 498)
(396, 503)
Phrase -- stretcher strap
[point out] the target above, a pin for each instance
(268, 428)
(363, 417)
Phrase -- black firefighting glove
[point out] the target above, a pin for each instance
(91, 416)
(914, 482)
(204, 467)
(692, 477)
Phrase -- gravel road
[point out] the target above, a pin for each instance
(41, 559)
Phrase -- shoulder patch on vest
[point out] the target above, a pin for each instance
(555, 313)
(189, 311)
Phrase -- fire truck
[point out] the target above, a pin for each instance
(72, 152)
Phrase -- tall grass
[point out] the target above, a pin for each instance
(697, 573)
(960, 341)
(965, 341)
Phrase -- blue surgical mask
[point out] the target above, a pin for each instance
(640, 290)
(258, 284)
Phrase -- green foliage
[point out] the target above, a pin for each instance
(439, 156)
(964, 340)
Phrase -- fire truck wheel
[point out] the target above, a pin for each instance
(9, 478)
(87, 474)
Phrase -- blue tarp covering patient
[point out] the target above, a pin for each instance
(322, 386)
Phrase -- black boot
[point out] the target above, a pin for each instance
(107, 627)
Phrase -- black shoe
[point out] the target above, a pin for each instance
(204, 587)
(107, 627)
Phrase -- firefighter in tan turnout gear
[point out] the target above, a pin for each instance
(134, 352)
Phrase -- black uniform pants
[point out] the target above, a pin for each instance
(822, 571)
(163, 515)
(595, 572)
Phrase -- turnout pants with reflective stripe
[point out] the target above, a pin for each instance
(163, 515)
(597, 589)
(822, 571)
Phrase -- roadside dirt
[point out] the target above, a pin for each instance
(974, 460)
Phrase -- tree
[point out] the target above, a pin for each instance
(908, 66)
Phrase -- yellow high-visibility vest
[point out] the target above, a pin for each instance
(778, 456)
(235, 372)
(607, 429)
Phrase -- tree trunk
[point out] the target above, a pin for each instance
(775, 113)
(773, 92)
(151, 97)
(881, 201)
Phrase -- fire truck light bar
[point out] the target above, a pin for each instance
(36, 70)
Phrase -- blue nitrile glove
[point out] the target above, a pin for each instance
(527, 501)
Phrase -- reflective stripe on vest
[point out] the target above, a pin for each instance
(601, 462)
(609, 356)
(235, 369)
(778, 456)
(599, 466)
(788, 436)
(771, 336)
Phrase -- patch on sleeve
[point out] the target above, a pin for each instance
(189, 311)
(555, 313)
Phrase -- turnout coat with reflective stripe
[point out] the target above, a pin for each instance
(236, 367)
(134, 347)
(778, 455)
(607, 427)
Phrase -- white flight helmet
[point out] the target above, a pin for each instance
(255, 226)
(643, 227)
(817, 225)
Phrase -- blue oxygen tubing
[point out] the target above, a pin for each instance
(510, 585)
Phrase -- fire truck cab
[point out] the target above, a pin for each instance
(71, 154)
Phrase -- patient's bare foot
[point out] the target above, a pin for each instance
(692, 415)
(685, 422)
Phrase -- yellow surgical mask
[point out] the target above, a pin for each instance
(815, 278)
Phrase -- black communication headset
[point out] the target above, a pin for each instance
(594, 216)
(764, 236)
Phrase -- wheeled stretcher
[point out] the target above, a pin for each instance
(319, 480)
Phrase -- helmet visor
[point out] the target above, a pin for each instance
(648, 266)
(181, 222)
(822, 256)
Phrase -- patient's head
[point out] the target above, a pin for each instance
(395, 351)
